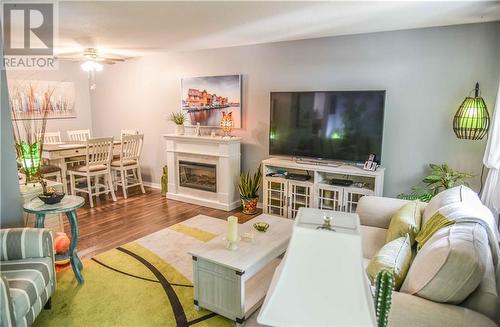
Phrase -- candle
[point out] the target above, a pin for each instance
(232, 229)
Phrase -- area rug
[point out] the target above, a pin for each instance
(144, 283)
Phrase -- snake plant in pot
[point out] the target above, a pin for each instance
(249, 186)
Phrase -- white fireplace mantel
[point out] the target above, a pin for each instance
(222, 152)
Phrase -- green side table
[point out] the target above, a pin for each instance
(68, 206)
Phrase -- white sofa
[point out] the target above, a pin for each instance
(480, 309)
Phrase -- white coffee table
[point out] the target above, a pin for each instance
(234, 283)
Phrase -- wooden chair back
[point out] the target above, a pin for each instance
(131, 147)
(129, 132)
(80, 135)
(52, 138)
(99, 151)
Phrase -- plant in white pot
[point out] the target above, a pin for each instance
(249, 186)
(178, 119)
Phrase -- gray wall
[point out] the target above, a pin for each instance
(67, 72)
(10, 200)
(426, 72)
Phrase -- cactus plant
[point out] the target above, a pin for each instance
(384, 285)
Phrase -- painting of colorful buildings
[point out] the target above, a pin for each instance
(205, 98)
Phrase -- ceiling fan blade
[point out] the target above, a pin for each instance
(68, 54)
(111, 59)
(109, 62)
(65, 58)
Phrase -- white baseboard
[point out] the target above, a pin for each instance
(152, 185)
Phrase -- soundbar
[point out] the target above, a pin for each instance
(298, 177)
(341, 182)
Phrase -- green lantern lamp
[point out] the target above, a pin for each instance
(472, 120)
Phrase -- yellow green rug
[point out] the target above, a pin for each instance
(135, 284)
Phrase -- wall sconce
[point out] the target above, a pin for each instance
(472, 120)
(227, 123)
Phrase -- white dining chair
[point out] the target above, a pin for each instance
(79, 135)
(130, 153)
(129, 132)
(47, 170)
(52, 138)
(97, 164)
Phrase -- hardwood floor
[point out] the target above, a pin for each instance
(111, 224)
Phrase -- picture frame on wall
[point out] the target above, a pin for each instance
(205, 98)
(26, 99)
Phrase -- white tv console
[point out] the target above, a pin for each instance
(284, 197)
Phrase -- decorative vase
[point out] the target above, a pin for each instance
(29, 155)
(179, 129)
(249, 206)
(164, 181)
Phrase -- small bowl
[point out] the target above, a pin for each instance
(261, 227)
(51, 198)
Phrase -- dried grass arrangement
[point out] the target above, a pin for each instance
(29, 133)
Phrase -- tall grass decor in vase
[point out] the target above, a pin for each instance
(249, 186)
(29, 131)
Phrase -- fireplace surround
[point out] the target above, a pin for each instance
(204, 170)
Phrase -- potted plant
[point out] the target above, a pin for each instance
(178, 119)
(50, 195)
(442, 177)
(249, 186)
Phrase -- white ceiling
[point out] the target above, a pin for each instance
(136, 28)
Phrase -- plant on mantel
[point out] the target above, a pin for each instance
(249, 186)
(178, 118)
(29, 129)
(442, 177)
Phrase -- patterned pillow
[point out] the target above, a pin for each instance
(394, 256)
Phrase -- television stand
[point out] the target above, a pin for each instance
(283, 197)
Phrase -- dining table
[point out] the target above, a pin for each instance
(59, 153)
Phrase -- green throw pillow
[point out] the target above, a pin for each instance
(395, 256)
(405, 221)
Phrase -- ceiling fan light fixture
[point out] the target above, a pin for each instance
(91, 65)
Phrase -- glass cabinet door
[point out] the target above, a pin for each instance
(352, 197)
(330, 198)
(276, 196)
(300, 196)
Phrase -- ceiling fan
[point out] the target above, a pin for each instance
(92, 61)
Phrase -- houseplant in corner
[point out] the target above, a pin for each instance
(442, 177)
(178, 119)
(249, 186)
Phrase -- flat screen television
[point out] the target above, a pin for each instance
(333, 125)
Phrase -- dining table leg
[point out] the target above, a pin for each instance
(61, 163)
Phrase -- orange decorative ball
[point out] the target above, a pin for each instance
(61, 242)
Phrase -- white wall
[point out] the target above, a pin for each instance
(66, 72)
(11, 214)
(426, 72)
